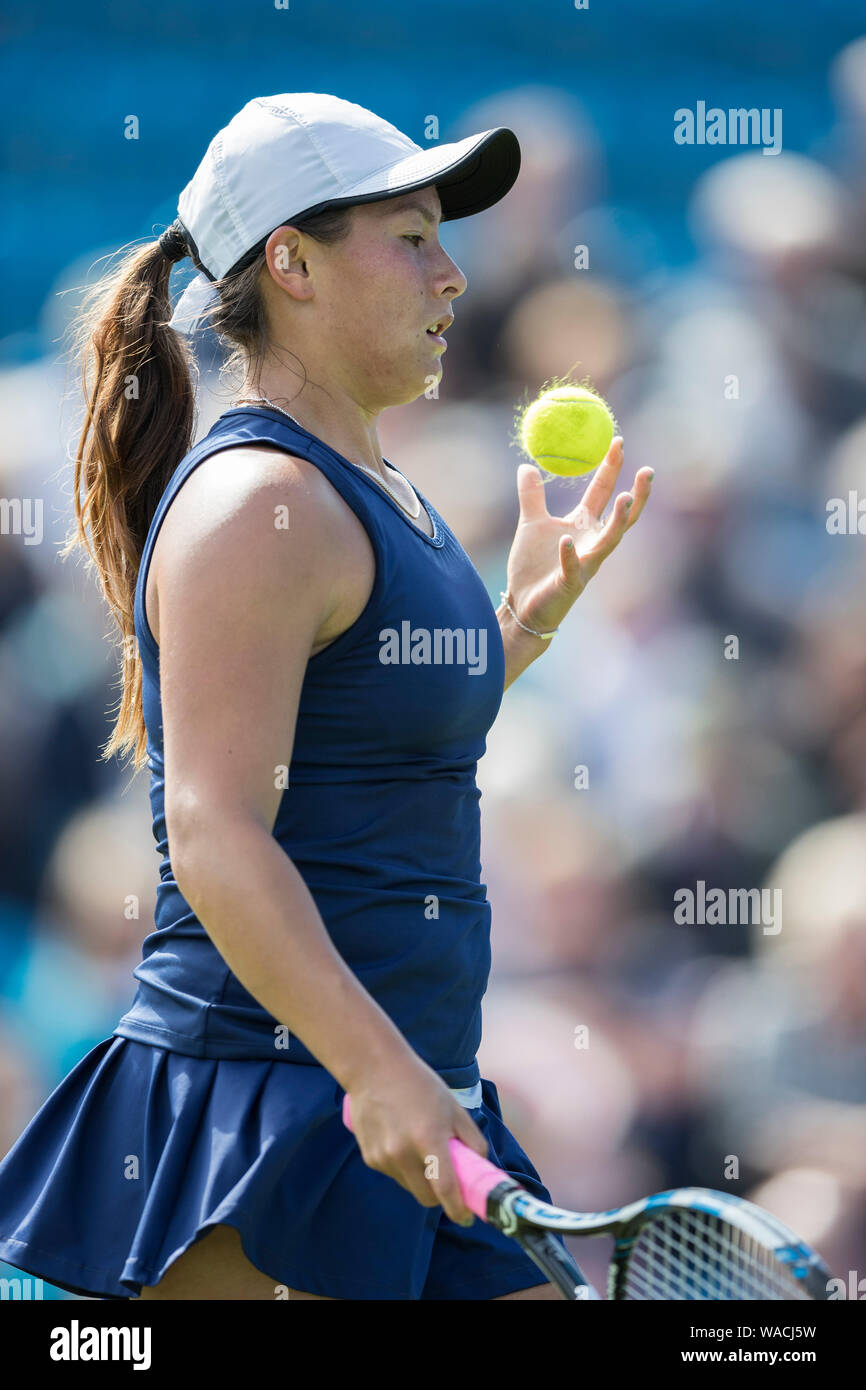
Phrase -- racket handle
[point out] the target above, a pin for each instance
(477, 1176)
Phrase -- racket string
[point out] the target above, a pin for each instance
(686, 1254)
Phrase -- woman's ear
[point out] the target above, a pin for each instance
(284, 252)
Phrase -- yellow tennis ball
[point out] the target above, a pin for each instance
(567, 430)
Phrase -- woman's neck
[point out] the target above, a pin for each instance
(348, 431)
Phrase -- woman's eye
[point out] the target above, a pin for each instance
(416, 237)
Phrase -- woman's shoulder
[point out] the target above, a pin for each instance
(236, 511)
(236, 487)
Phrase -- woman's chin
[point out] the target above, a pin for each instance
(422, 383)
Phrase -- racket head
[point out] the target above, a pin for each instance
(689, 1243)
(696, 1244)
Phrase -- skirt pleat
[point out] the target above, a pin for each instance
(140, 1151)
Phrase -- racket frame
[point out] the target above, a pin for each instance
(499, 1199)
(516, 1213)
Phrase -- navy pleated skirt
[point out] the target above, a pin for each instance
(140, 1151)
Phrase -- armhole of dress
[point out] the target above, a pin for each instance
(356, 501)
(174, 486)
(339, 644)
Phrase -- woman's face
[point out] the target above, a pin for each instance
(373, 298)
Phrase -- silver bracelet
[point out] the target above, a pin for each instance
(545, 636)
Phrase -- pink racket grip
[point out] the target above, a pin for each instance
(477, 1176)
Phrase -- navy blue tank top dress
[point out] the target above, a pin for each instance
(201, 1109)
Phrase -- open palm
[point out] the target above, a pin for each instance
(546, 573)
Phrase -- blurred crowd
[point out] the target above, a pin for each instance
(631, 1052)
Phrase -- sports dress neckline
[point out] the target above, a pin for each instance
(437, 538)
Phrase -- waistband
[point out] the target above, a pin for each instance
(468, 1096)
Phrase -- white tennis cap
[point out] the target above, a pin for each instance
(283, 156)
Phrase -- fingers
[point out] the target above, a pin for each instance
(446, 1185)
(414, 1168)
(640, 492)
(432, 1181)
(447, 1191)
(627, 509)
(409, 1139)
(414, 1181)
(600, 490)
(615, 529)
(426, 1170)
(530, 493)
(569, 564)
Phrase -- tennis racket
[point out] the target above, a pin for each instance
(689, 1243)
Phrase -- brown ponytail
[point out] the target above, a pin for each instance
(139, 380)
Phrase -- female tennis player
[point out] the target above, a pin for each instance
(310, 667)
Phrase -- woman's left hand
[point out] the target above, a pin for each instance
(545, 574)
